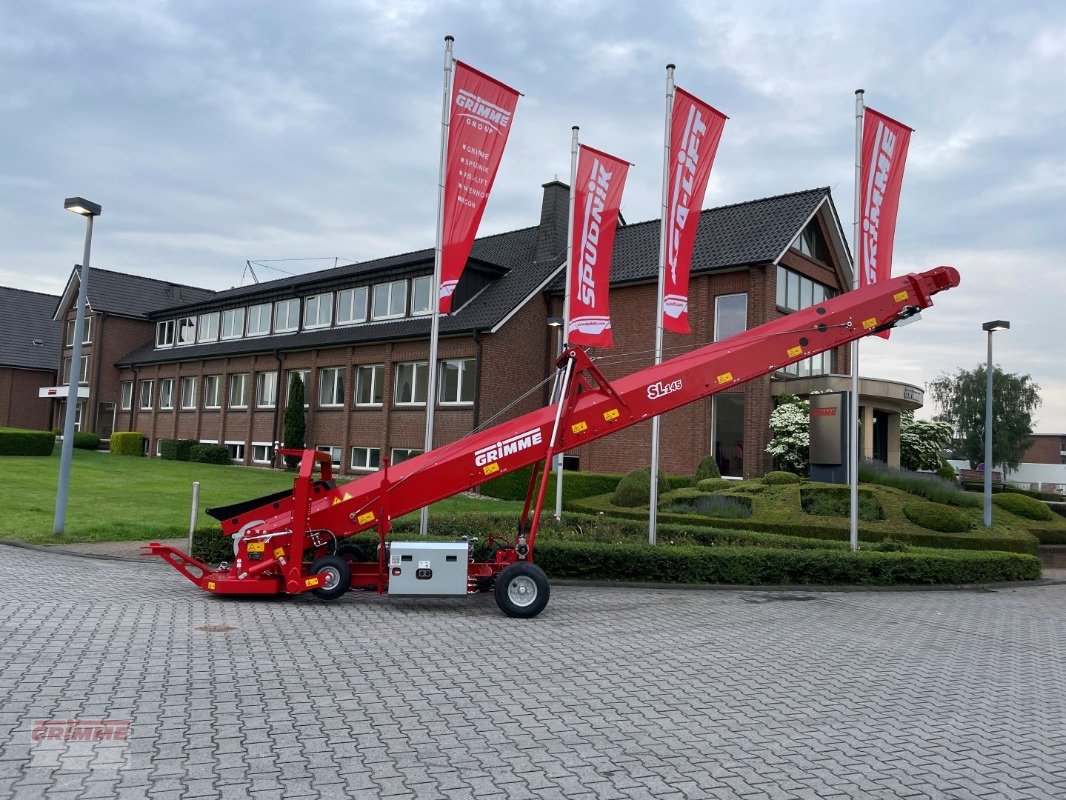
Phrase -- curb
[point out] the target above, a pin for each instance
(706, 587)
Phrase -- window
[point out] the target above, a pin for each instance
(727, 424)
(411, 379)
(164, 333)
(796, 292)
(146, 396)
(126, 396)
(259, 319)
(401, 454)
(334, 453)
(232, 323)
(208, 327)
(305, 377)
(730, 315)
(286, 315)
(86, 338)
(331, 387)
(187, 330)
(420, 292)
(238, 390)
(811, 243)
(390, 300)
(370, 385)
(266, 389)
(188, 393)
(318, 310)
(158, 448)
(236, 450)
(351, 306)
(456, 381)
(366, 459)
(212, 395)
(166, 394)
(83, 372)
(262, 453)
(820, 364)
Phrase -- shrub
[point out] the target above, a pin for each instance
(947, 472)
(211, 545)
(209, 454)
(779, 477)
(707, 468)
(18, 442)
(635, 488)
(836, 502)
(176, 449)
(931, 487)
(1023, 506)
(86, 440)
(126, 443)
(1049, 496)
(714, 484)
(937, 517)
(890, 546)
(512, 486)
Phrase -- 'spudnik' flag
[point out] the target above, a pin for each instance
(481, 112)
(695, 130)
(884, 155)
(597, 197)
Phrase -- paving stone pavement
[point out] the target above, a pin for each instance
(610, 693)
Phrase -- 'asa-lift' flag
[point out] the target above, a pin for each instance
(597, 196)
(695, 130)
(884, 155)
(481, 112)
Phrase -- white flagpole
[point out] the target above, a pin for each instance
(853, 456)
(434, 331)
(653, 499)
(566, 299)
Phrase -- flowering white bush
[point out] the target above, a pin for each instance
(791, 443)
(921, 441)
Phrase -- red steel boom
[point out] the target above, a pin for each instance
(272, 532)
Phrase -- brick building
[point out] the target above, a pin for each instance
(29, 353)
(216, 366)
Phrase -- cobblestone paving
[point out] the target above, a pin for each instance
(620, 693)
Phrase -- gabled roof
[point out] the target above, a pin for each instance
(25, 320)
(128, 295)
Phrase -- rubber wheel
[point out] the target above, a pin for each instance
(351, 552)
(522, 590)
(336, 576)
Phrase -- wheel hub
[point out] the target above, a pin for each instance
(522, 591)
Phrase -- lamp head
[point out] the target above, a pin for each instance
(996, 325)
(555, 322)
(79, 205)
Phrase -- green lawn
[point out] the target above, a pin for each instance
(115, 498)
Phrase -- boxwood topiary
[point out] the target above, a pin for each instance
(126, 443)
(86, 440)
(714, 484)
(635, 488)
(19, 442)
(937, 516)
(779, 477)
(1023, 506)
(708, 468)
(209, 454)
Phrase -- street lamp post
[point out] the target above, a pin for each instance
(556, 323)
(78, 205)
(994, 325)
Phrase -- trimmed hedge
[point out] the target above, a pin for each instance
(211, 545)
(825, 501)
(708, 468)
(778, 478)
(176, 449)
(753, 566)
(209, 454)
(635, 488)
(125, 443)
(85, 440)
(513, 485)
(937, 517)
(19, 442)
(1023, 506)
(714, 484)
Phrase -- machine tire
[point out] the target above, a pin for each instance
(338, 577)
(352, 552)
(522, 590)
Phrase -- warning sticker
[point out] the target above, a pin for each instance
(899, 297)
(870, 324)
(363, 519)
(794, 351)
(394, 560)
(614, 413)
(725, 377)
(491, 469)
(579, 427)
(256, 547)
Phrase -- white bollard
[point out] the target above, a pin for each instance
(195, 511)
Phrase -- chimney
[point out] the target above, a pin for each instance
(554, 214)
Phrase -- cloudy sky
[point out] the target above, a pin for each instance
(217, 132)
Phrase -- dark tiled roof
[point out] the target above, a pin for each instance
(754, 232)
(26, 317)
(135, 295)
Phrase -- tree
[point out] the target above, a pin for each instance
(791, 443)
(961, 398)
(295, 423)
(920, 442)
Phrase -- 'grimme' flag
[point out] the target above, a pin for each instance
(695, 130)
(481, 113)
(597, 197)
(884, 154)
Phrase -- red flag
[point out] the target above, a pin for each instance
(597, 197)
(481, 113)
(695, 130)
(884, 155)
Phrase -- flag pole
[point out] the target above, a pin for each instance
(853, 455)
(434, 330)
(566, 301)
(653, 495)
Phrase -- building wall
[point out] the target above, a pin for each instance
(20, 407)
(1047, 448)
